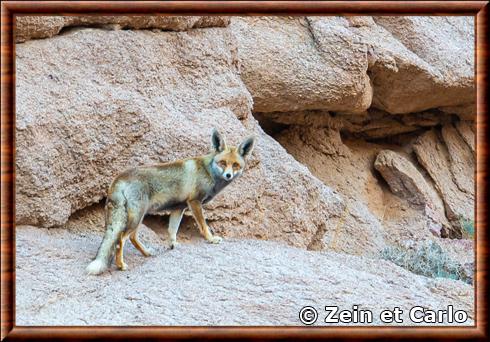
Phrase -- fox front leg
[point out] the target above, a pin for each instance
(196, 209)
(173, 226)
(133, 237)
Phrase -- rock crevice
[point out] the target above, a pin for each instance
(34, 27)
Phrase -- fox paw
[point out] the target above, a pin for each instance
(123, 267)
(174, 244)
(215, 239)
(150, 252)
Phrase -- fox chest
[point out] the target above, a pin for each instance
(211, 191)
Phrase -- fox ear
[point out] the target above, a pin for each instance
(246, 147)
(218, 141)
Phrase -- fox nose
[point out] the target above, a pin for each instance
(228, 175)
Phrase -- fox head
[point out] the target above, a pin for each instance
(229, 162)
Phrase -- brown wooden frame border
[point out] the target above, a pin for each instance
(9, 9)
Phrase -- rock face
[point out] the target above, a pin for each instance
(302, 63)
(343, 64)
(357, 231)
(32, 27)
(408, 163)
(415, 51)
(110, 100)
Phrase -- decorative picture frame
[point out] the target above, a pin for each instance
(10, 9)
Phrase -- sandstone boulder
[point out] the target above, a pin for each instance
(406, 181)
(466, 132)
(448, 160)
(109, 100)
(336, 64)
(296, 63)
(461, 159)
(402, 177)
(35, 27)
(413, 67)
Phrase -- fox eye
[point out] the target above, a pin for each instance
(236, 165)
(222, 164)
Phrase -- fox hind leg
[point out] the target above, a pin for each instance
(135, 214)
(120, 252)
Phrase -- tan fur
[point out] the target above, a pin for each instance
(172, 186)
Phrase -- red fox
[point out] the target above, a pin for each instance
(172, 186)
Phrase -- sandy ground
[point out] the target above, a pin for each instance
(239, 282)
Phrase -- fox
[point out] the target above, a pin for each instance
(174, 186)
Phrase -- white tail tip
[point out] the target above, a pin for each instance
(96, 267)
